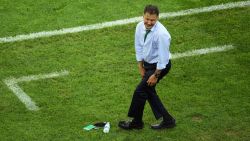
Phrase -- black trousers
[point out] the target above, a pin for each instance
(144, 92)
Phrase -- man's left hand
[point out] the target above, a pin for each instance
(152, 80)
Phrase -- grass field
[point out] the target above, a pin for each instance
(207, 94)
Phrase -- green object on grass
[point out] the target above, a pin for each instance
(89, 127)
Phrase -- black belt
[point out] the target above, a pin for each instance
(150, 66)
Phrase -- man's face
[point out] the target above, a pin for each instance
(149, 20)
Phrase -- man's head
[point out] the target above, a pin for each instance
(150, 17)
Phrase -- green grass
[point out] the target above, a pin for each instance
(208, 94)
(20, 17)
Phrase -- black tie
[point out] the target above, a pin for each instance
(147, 31)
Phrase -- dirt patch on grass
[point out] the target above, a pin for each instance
(231, 133)
(197, 117)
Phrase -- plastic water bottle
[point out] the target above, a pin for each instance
(106, 127)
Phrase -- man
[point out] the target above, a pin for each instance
(152, 42)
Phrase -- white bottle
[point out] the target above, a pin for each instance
(106, 127)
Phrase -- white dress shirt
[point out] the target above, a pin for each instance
(155, 49)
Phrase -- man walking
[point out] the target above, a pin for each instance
(152, 42)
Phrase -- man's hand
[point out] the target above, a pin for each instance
(152, 80)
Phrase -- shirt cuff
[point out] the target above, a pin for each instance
(160, 66)
(139, 58)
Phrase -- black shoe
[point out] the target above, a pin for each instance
(164, 124)
(128, 125)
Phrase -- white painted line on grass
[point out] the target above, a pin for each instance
(122, 22)
(202, 51)
(41, 76)
(206, 9)
(22, 96)
(12, 83)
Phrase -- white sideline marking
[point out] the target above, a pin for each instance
(202, 51)
(12, 83)
(122, 22)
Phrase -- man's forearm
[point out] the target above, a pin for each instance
(140, 64)
(157, 73)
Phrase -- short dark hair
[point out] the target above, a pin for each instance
(151, 9)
